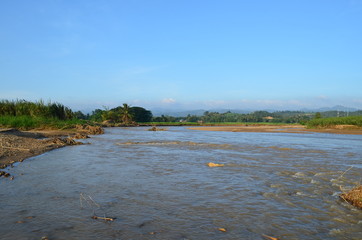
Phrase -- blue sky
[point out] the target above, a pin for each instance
(185, 54)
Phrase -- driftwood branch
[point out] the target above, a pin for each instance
(92, 204)
(88, 199)
(269, 237)
(110, 219)
(345, 172)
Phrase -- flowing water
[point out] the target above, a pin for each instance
(158, 186)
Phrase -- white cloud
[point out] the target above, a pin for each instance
(322, 97)
(168, 100)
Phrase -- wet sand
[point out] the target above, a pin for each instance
(16, 146)
(280, 129)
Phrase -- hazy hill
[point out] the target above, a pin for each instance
(199, 112)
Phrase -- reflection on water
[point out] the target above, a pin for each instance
(158, 186)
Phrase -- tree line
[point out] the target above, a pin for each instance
(24, 114)
(230, 117)
(256, 117)
(127, 115)
(141, 115)
(124, 114)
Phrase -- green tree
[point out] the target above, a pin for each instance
(140, 114)
(109, 115)
(192, 118)
(96, 115)
(126, 116)
(79, 115)
(317, 115)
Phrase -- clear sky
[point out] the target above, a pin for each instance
(185, 54)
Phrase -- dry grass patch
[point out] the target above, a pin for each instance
(354, 197)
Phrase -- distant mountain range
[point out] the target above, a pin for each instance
(335, 108)
(199, 112)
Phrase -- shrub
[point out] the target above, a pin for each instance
(329, 122)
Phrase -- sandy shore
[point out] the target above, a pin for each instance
(15, 145)
(280, 129)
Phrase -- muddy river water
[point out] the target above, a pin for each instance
(158, 186)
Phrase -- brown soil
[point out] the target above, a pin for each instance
(278, 129)
(354, 196)
(15, 145)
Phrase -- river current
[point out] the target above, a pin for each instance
(157, 185)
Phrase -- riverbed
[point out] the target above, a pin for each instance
(157, 185)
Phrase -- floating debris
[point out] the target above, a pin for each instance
(154, 128)
(211, 164)
(110, 219)
(269, 237)
(222, 229)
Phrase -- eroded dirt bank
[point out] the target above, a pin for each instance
(15, 145)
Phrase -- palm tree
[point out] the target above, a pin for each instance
(126, 116)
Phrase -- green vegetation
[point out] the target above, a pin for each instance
(35, 109)
(330, 122)
(123, 114)
(26, 115)
(28, 122)
(263, 117)
(317, 115)
(169, 123)
(232, 118)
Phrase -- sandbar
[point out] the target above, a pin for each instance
(280, 129)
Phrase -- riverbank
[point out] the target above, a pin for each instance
(339, 129)
(16, 146)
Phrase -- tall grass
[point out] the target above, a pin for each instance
(26, 115)
(330, 122)
(35, 109)
(28, 122)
